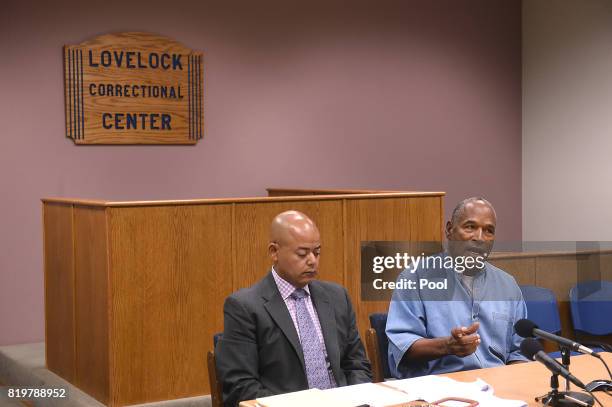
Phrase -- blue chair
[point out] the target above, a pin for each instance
(216, 338)
(542, 308)
(377, 344)
(591, 307)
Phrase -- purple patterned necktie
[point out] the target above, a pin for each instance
(314, 351)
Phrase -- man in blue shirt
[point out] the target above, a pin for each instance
(460, 311)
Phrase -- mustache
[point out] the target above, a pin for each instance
(480, 249)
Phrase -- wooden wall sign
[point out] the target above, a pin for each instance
(133, 88)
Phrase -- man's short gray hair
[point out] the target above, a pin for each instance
(458, 211)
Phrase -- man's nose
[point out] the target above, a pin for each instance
(478, 235)
(311, 258)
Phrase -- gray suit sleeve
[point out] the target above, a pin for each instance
(354, 363)
(237, 356)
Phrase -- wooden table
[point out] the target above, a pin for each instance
(525, 381)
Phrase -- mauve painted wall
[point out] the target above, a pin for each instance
(412, 95)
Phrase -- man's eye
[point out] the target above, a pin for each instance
(301, 254)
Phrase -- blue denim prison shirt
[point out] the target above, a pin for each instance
(428, 313)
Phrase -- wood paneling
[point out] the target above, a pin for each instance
(59, 290)
(416, 220)
(91, 302)
(210, 201)
(303, 191)
(606, 266)
(523, 269)
(559, 275)
(251, 232)
(171, 270)
(151, 277)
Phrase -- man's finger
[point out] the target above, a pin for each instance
(469, 339)
(457, 332)
(472, 328)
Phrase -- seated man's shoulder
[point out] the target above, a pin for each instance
(335, 293)
(246, 296)
(500, 274)
(503, 279)
(330, 287)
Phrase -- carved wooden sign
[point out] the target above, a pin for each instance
(133, 88)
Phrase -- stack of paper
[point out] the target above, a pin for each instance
(433, 388)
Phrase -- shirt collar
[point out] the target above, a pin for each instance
(285, 287)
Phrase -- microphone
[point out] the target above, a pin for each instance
(532, 350)
(528, 329)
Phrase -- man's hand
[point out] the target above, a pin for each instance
(463, 341)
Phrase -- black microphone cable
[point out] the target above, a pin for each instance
(595, 398)
(606, 365)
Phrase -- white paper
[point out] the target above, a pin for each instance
(369, 393)
(433, 388)
(305, 398)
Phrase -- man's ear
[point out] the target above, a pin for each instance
(449, 229)
(273, 251)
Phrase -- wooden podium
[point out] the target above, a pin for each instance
(134, 291)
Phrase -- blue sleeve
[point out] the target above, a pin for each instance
(405, 325)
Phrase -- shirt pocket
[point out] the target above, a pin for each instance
(502, 332)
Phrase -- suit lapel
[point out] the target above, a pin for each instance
(327, 320)
(276, 307)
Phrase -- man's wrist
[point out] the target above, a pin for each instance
(446, 346)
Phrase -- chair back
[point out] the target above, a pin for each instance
(591, 307)
(216, 338)
(374, 355)
(378, 322)
(216, 390)
(542, 308)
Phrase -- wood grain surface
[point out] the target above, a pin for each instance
(59, 290)
(252, 227)
(523, 381)
(208, 201)
(100, 72)
(170, 272)
(318, 191)
(151, 279)
(91, 302)
(416, 220)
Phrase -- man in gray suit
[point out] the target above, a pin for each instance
(289, 332)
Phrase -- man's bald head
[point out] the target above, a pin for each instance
(290, 223)
(294, 247)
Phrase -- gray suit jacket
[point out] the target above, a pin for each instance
(260, 352)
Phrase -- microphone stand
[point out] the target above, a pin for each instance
(565, 361)
(556, 398)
